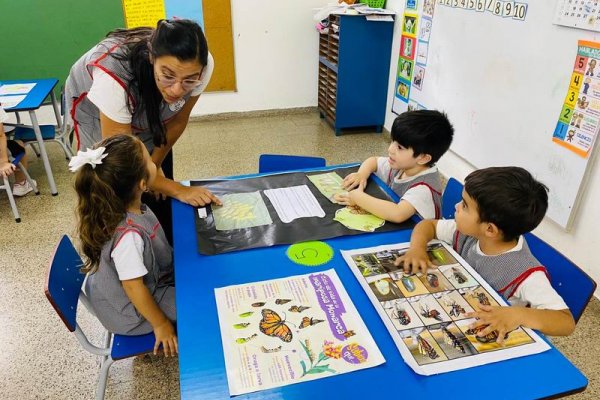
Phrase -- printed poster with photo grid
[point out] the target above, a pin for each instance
(579, 118)
(425, 313)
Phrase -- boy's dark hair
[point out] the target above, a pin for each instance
(508, 197)
(425, 132)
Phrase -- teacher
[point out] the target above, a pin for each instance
(144, 82)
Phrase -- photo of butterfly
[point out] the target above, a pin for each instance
(282, 301)
(308, 322)
(298, 309)
(272, 325)
(259, 304)
(273, 350)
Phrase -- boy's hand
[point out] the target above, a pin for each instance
(501, 319)
(165, 335)
(6, 169)
(345, 198)
(197, 196)
(355, 180)
(414, 260)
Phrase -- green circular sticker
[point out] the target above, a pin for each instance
(310, 254)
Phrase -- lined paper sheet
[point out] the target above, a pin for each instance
(294, 202)
(16, 88)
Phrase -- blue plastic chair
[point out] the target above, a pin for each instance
(571, 282)
(280, 162)
(452, 195)
(63, 290)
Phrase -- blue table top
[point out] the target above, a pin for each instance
(36, 96)
(202, 364)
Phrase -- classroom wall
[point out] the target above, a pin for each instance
(580, 242)
(276, 57)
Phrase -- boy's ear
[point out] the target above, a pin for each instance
(143, 186)
(424, 159)
(491, 230)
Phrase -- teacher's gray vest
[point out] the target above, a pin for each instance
(104, 289)
(432, 181)
(504, 272)
(86, 116)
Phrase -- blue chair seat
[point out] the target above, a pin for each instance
(28, 135)
(129, 346)
(281, 162)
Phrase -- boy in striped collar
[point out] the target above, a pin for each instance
(498, 206)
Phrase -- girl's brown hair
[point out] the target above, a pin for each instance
(105, 192)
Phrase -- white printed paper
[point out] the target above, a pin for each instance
(294, 202)
(16, 88)
(10, 101)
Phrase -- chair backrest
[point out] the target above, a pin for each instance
(280, 162)
(64, 281)
(571, 282)
(452, 195)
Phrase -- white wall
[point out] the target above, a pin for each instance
(276, 57)
(581, 243)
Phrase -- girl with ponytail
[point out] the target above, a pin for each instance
(128, 259)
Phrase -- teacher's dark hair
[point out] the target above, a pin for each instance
(180, 38)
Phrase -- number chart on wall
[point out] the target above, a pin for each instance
(500, 70)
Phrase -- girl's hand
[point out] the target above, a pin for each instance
(500, 319)
(414, 260)
(6, 169)
(197, 196)
(165, 336)
(355, 180)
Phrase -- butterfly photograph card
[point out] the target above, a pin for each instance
(290, 330)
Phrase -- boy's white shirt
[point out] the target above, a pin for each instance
(535, 291)
(419, 197)
(128, 256)
(3, 115)
(111, 98)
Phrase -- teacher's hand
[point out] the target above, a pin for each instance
(197, 196)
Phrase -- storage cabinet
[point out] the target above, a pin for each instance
(354, 66)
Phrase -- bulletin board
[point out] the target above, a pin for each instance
(503, 82)
(213, 15)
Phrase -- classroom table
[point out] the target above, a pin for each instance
(31, 103)
(202, 364)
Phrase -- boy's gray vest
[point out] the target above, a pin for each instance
(504, 272)
(109, 300)
(86, 116)
(431, 181)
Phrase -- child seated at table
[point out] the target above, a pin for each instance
(128, 259)
(419, 139)
(498, 206)
(21, 186)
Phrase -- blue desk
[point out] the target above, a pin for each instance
(202, 366)
(33, 101)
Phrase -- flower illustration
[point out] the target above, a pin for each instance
(328, 351)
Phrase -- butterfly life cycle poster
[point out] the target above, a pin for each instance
(291, 330)
(426, 313)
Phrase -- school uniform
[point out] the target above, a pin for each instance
(138, 248)
(516, 274)
(423, 191)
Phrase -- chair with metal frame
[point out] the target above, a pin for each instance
(6, 185)
(280, 162)
(63, 289)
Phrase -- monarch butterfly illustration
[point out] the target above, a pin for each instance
(308, 322)
(272, 325)
(298, 309)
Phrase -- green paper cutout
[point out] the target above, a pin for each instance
(358, 219)
(329, 184)
(241, 210)
(310, 254)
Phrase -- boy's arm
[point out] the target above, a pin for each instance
(145, 304)
(388, 210)
(416, 258)
(359, 179)
(506, 319)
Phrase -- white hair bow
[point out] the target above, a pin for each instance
(92, 157)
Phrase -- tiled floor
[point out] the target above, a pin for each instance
(40, 359)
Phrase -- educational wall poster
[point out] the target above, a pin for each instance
(505, 9)
(284, 331)
(425, 313)
(582, 14)
(412, 61)
(579, 118)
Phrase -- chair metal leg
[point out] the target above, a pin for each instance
(103, 378)
(11, 200)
